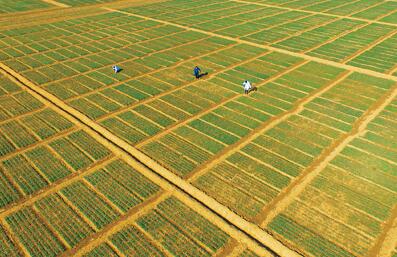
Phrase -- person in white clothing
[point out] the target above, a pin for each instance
(247, 86)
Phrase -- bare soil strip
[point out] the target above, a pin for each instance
(304, 56)
(56, 3)
(387, 240)
(158, 174)
(274, 121)
(298, 185)
(321, 13)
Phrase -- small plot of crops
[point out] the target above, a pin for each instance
(353, 7)
(181, 230)
(377, 11)
(8, 6)
(343, 209)
(122, 185)
(317, 36)
(381, 58)
(285, 25)
(344, 47)
(82, 2)
(102, 250)
(392, 18)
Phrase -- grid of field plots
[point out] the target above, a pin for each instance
(97, 163)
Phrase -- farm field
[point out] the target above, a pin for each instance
(152, 162)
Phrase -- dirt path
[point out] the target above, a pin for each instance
(320, 13)
(304, 56)
(298, 185)
(56, 3)
(160, 175)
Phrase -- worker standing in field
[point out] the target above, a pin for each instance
(247, 86)
(196, 72)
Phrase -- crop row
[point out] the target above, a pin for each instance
(317, 36)
(179, 9)
(234, 198)
(181, 230)
(7, 247)
(53, 34)
(23, 5)
(377, 11)
(101, 250)
(371, 59)
(17, 104)
(63, 219)
(132, 241)
(344, 47)
(33, 234)
(294, 22)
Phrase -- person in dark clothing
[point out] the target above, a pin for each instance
(196, 72)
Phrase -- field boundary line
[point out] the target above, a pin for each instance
(221, 103)
(297, 186)
(387, 241)
(159, 173)
(370, 46)
(272, 122)
(320, 13)
(56, 3)
(271, 48)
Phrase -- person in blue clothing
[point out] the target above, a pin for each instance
(196, 72)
